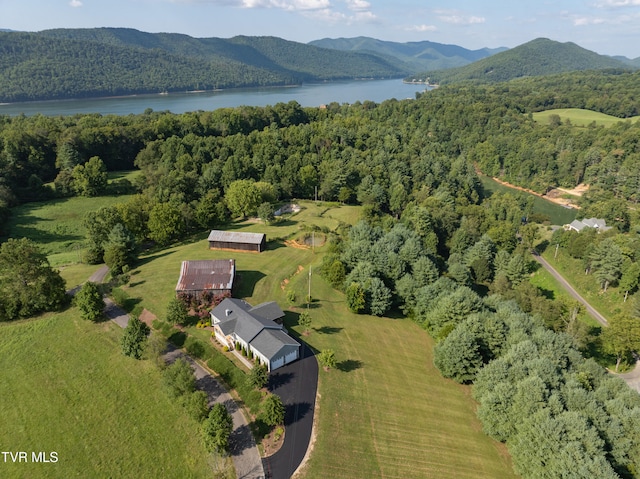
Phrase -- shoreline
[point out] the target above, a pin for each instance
(567, 203)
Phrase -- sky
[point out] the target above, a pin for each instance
(610, 27)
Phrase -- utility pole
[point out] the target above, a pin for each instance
(555, 255)
(309, 295)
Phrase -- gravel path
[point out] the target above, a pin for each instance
(632, 378)
(590, 309)
(244, 452)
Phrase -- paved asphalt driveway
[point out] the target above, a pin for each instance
(296, 384)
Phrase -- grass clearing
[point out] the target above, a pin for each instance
(580, 117)
(66, 387)
(56, 225)
(385, 411)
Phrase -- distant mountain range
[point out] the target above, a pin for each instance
(535, 58)
(73, 63)
(415, 56)
(79, 63)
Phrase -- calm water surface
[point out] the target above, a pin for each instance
(306, 95)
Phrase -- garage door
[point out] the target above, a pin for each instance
(277, 363)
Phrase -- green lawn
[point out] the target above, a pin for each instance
(67, 388)
(386, 411)
(580, 117)
(56, 226)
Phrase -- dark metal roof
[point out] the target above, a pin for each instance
(236, 237)
(216, 274)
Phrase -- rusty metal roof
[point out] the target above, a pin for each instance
(236, 237)
(206, 274)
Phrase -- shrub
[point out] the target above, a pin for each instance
(272, 410)
(194, 348)
(196, 405)
(179, 377)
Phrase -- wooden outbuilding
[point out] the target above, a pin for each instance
(237, 241)
(212, 276)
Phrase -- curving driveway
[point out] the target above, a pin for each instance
(296, 384)
(244, 451)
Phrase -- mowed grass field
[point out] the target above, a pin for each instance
(56, 225)
(385, 412)
(65, 387)
(580, 117)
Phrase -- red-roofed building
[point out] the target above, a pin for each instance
(214, 276)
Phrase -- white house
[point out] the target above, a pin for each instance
(254, 327)
(579, 225)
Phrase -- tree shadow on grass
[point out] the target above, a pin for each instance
(150, 258)
(178, 338)
(349, 365)
(284, 222)
(328, 330)
(246, 281)
(275, 244)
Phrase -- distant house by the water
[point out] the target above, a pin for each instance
(206, 276)
(579, 225)
(230, 240)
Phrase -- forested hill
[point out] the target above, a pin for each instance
(419, 56)
(536, 58)
(77, 63)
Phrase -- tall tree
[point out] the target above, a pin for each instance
(90, 302)
(176, 311)
(622, 337)
(217, 428)
(119, 250)
(90, 179)
(28, 284)
(165, 223)
(179, 378)
(134, 338)
(272, 410)
(242, 198)
(630, 278)
(606, 261)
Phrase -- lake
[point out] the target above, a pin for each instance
(311, 94)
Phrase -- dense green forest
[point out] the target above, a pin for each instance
(533, 59)
(430, 245)
(68, 63)
(398, 146)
